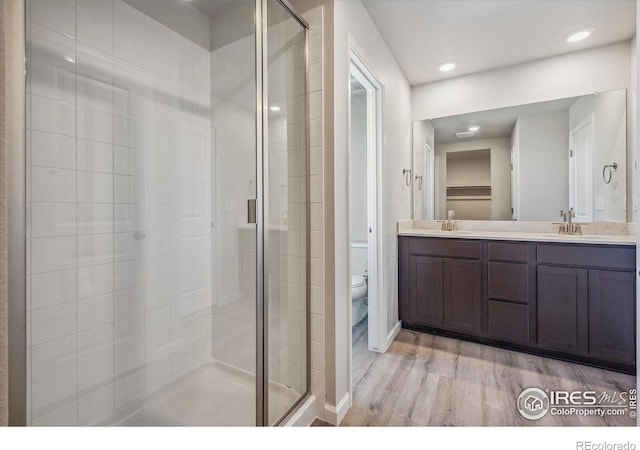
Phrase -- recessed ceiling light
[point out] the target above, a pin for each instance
(474, 128)
(275, 108)
(70, 59)
(448, 66)
(579, 35)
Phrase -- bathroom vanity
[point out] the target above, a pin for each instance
(569, 297)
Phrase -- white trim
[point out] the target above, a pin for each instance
(305, 415)
(429, 170)
(335, 414)
(392, 334)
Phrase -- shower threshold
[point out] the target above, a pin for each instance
(215, 394)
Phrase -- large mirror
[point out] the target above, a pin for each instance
(525, 162)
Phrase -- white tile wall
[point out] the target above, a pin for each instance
(316, 163)
(118, 225)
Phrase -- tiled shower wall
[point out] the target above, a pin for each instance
(234, 173)
(287, 155)
(233, 252)
(119, 208)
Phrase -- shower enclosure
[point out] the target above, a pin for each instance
(167, 213)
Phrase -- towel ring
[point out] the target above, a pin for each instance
(407, 176)
(607, 176)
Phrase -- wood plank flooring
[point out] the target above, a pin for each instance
(427, 380)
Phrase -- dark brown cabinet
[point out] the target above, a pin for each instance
(562, 309)
(426, 301)
(441, 292)
(462, 295)
(612, 312)
(574, 301)
(510, 311)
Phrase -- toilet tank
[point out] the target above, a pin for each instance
(359, 257)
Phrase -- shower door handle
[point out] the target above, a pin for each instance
(251, 210)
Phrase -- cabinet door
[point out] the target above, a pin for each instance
(425, 291)
(562, 309)
(462, 295)
(612, 334)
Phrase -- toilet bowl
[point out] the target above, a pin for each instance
(359, 306)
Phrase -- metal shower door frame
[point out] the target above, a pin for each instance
(262, 237)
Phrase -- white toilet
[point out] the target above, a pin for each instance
(359, 306)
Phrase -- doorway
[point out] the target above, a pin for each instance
(365, 314)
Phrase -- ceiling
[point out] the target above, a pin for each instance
(486, 34)
(496, 123)
(213, 8)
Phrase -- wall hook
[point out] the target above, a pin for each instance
(607, 175)
(419, 182)
(407, 176)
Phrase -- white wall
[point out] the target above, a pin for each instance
(609, 146)
(358, 169)
(500, 175)
(351, 18)
(600, 69)
(543, 165)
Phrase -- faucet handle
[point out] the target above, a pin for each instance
(563, 214)
(451, 214)
(571, 212)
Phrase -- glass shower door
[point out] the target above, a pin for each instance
(286, 210)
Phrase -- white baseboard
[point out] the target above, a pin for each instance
(392, 335)
(335, 414)
(305, 415)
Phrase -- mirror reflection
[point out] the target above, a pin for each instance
(525, 162)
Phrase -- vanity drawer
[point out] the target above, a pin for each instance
(508, 321)
(508, 282)
(447, 247)
(509, 251)
(597, 256)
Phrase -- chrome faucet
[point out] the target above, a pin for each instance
(567, 226)
(449, 224)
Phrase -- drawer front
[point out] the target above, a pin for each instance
(509, 251)
(596, 256)
(448, 247)
(508, 282)
(508, 321)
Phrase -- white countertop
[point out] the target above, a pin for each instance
(519, 236)
(406, 228)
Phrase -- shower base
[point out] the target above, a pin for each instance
(213, 395)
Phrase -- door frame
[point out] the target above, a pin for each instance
(429, 184)
(361, 70)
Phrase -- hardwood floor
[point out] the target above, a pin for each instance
(427, 380)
